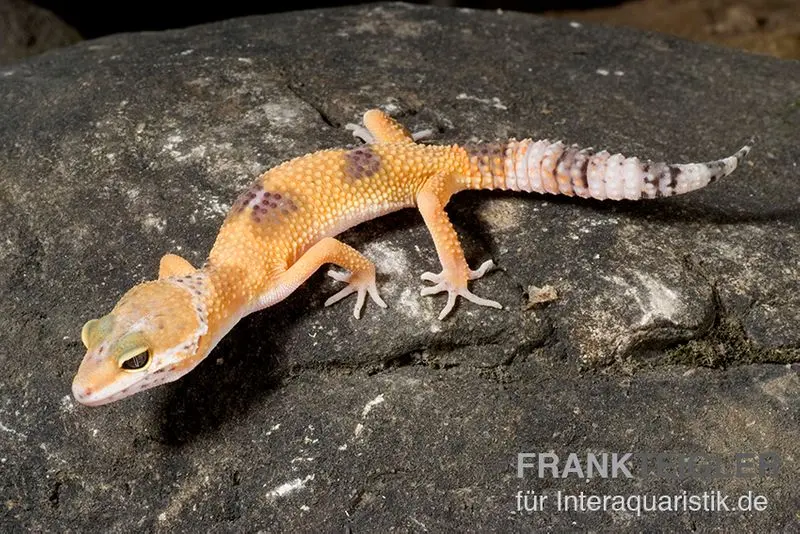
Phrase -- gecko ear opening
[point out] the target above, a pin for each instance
(96, 329)
(174, 265)
(86, 331)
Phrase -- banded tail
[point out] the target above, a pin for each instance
(551, 167)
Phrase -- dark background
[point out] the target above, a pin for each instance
(771, 27)
(94, 19)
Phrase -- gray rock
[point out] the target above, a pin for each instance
(674, 330)
(27, 30)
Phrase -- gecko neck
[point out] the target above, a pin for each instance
(226, 299)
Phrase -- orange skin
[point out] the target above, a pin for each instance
(275, 237)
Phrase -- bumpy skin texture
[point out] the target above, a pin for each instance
(280, 231)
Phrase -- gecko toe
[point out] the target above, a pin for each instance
(480, 271)
(443, 282)
(430, 277)
(432, 290)
(360, 132)
(333, 299)
(472, 297)
(422, 134)
(361, 285)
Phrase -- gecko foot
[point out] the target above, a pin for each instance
(442, 282)
(362, 283)
(360, 132)
(363, 133)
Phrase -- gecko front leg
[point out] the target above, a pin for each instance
(456, 273)
(360, 280)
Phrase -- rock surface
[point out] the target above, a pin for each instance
(674, 329)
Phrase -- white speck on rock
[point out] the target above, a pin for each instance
(151, 222)
(422, 525)
(657, 301)
(619, 73)
(20, 435)
(359, 429)
(575, 24)
(494, 101)
(371, 404)
(367, 409)
(602, 72)
(389, 259)
(66, 404)
(409, 303)
(289, 487)
(663, 302)
(212, 207)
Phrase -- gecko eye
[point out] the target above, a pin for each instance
(135, 360)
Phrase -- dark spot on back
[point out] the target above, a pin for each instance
(246, 197)
(361, 162)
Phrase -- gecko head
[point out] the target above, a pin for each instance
(152, 336)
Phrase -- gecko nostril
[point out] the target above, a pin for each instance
(80, 392)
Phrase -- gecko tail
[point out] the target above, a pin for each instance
(551, 167)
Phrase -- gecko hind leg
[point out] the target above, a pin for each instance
(379, 127)
(455, 273)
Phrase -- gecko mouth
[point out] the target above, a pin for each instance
(87, 397)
